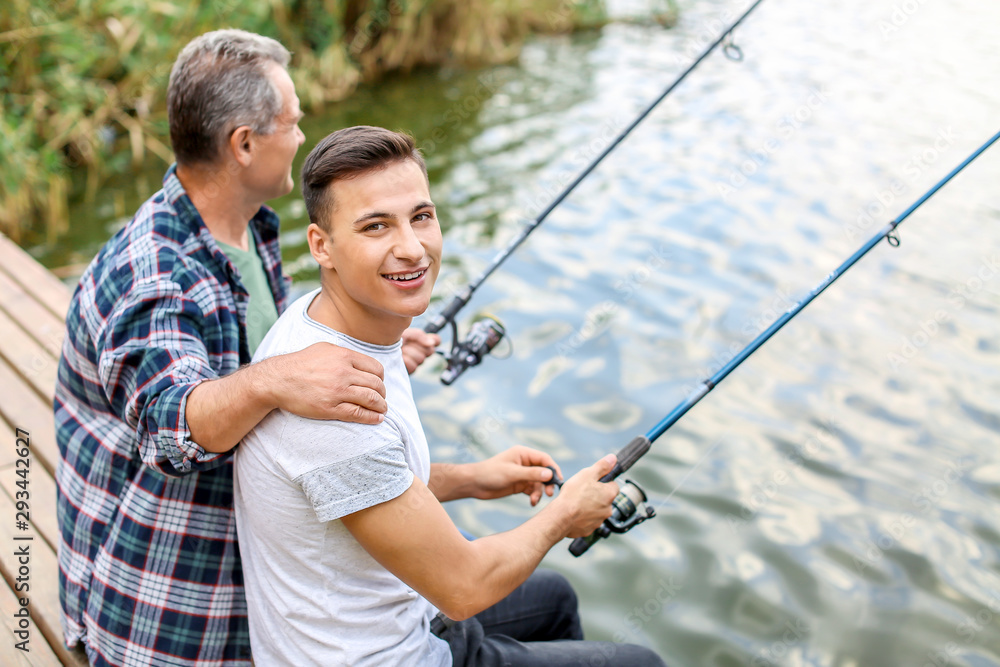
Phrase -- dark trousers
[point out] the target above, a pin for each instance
(537, 624)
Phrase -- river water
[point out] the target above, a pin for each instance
(833, 501)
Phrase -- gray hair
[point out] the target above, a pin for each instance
(218, 83)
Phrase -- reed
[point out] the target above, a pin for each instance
(83, 82)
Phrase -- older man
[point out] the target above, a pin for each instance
(154, 389)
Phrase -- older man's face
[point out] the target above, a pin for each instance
(271, 172)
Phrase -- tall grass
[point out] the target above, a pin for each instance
(83, 82)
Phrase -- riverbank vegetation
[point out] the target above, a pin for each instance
(84, 82)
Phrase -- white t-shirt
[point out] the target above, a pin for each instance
(315, 596)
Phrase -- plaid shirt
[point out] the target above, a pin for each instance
(149, 572)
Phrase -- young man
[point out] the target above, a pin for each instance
(151, 395)
(348, 553)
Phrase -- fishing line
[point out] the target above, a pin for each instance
(629, 508)
(468, 353)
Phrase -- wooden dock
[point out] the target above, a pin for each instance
(33, 306)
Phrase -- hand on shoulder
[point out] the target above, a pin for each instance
(325, 381)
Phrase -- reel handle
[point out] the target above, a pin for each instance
(579, 546)
(627, 457)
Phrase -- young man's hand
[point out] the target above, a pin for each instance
(417, 346)
(414, 538)
(518, 470)
(585, 499)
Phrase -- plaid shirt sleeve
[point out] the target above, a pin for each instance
(151, 355)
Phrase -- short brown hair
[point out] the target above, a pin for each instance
(348, 153)
(218, 83)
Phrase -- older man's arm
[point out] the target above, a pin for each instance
(323, 381)
(155, 369)
(320, 382)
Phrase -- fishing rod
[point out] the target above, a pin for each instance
(487, 332)
(629, 508)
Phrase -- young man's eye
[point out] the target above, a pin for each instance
(419, 217)
(374, 227)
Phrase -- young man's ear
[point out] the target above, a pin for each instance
(241, 145)
(319, 245)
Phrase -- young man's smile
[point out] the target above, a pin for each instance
(407, 280)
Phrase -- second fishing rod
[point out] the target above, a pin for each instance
(487, 332)
(629, 508)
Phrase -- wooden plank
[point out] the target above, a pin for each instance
(7, 454)
(33, 305)
(31, 315)
(43, 497)
(22, 408)
(43, 593)
(32, 362)
(39, 653)
(34, 277)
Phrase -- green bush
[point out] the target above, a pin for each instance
(84, 81)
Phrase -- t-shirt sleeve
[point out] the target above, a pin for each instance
(341, 467)
(358, 483)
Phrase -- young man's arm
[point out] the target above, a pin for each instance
(517, 470)
(413, 537)
(323, 381)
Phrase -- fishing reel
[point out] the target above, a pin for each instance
(629, 509)
(484, 335)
